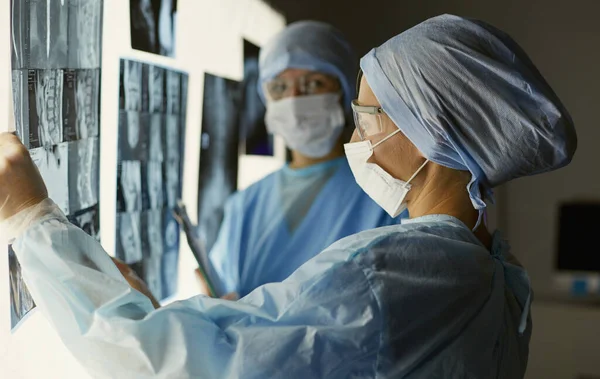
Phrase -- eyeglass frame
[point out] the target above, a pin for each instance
(303, 92)
(369, 109)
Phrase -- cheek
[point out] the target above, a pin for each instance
(392, 159)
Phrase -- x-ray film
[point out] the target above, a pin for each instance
(55, 55)
(153, 26)
(149, 174)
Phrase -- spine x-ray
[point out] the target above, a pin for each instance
(150, 156)
(153, 25)
(55, 56)
(219, 153)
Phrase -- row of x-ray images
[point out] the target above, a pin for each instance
(56, 72)
(55, 56)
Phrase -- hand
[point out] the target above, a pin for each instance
(21, 185)
(135, 281)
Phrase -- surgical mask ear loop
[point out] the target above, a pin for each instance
(417, 172)
(385, 139)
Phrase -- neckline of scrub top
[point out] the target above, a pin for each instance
(436, 218)
(306, 171)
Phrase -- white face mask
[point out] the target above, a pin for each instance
(309, 124)
(388, 192)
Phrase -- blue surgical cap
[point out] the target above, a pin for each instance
(310, 45)
(469, 98)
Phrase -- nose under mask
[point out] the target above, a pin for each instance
(388, 192)
(309, 124)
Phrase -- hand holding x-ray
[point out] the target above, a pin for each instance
(21, 184)
(135, 281)
(205, 271)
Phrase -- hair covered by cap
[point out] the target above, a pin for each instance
(469, 98)
(314, 46)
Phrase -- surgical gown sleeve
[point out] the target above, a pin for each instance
(313, 325)
(225, 253)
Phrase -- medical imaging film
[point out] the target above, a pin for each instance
(152, 185)
(153, 26)
(149, 173)
(48, 34)
(55, 56)
(253, 131)
(80, 104)
(88, 220)
(53, 164)
(169, 264)
(45, 107)
(130, 93)
(20, 299)
(83, 174)
(219, 153)
(133, 143)
(129, 186)
(84, 30)
(129, 237)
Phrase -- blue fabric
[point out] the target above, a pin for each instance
(314, 46)
(469, 98)
(420, 300)
(256, 244)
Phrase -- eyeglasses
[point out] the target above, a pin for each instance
(309, 84)
(367, 119)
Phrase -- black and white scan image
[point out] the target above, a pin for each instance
(48, 34)
(169, 276)
(88, 220)
(129, 237)
(170, 233)
(53, 164)
(219, 153)
(133, 135)
(21, 301)
(152, 274)
(55, 55)
(152, 232)
(253, 131)
(20, 85)
(172, 137)
(45, 107)
(131, 85)
(149, 173)
(156, 137)
(87, 96)
(153, 26)
(156, 88)
(85, 26)
(152, 185)
(83, 174)
(172, 183)
(173, 95)
(129, 184)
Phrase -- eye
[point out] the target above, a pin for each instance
(277, 87)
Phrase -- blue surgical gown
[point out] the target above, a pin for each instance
(423, 299)
(274, 226)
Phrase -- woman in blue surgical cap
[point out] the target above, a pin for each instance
(307, 80)
(446, 111)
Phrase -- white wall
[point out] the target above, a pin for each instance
(209, 39)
